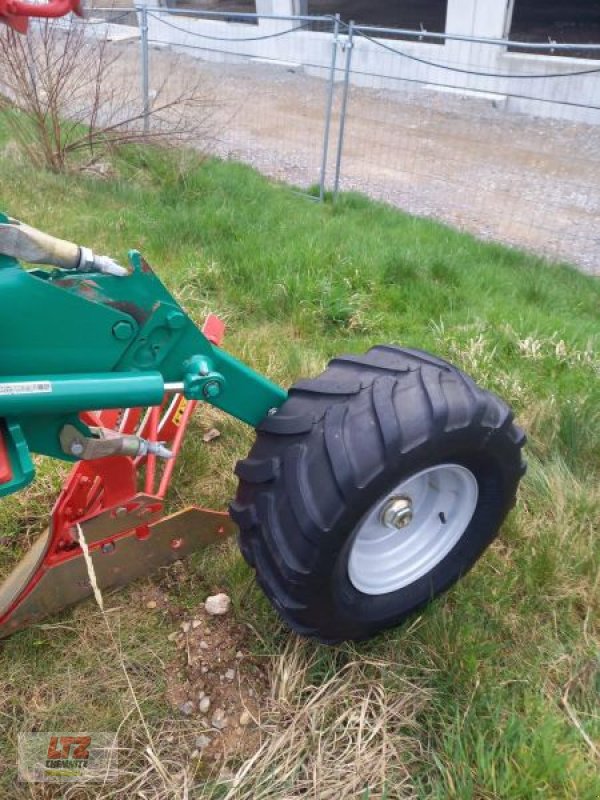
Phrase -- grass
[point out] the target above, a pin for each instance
(492, 692)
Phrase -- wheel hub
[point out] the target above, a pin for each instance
(397, 512)
(432, 509)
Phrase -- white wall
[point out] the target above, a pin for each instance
(556, 97)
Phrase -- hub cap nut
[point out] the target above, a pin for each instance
(397, 513)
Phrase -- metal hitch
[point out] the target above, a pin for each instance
(125, 530)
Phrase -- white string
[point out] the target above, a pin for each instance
(90, 567)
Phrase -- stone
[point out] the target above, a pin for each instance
(230, 674)
(204, 705)
(245, 718)
(187, 708)
(211, 434)
(219, 720)
(202, 742)
(217, 604)
(151, 604)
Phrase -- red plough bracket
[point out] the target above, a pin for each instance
(124, 527)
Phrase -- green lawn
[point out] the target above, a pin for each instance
(504, 671)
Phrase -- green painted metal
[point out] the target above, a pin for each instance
(62, 394)
(106, 342)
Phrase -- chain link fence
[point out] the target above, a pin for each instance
(484, 134)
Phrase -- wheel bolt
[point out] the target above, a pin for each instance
(397, 513)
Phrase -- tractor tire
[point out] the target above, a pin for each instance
(373, 489)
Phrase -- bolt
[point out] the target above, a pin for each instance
(175, 320)
(108, 547)
(211, 390)
(122, 330)
(397, 513)
(77, 448)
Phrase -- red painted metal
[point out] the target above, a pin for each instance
(6, 472)
(16, 13)
(214, 329)
(176, 447)
(152, 435)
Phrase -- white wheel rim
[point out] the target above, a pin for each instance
(384, 558)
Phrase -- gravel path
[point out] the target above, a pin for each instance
(524, 181)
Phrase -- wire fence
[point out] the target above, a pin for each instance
(484, 134)
(258, 89)
(443, 136)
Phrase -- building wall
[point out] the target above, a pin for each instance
(560, 97)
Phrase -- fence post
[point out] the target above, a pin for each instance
(143, 11)
(329, 107)
(340, 145)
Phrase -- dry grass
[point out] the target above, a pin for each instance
(350, 735)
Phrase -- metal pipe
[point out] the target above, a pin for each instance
(152, 435)
(338, 161)
(175, 448)
(199, 13)
(175, 387)
(372, 30)
(329, 108)
(65, 394)
(145, 66)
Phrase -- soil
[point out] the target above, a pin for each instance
(210, 660)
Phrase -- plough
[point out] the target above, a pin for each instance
(369, 490)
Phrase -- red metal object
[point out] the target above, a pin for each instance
(16, 13)
(5, 468)
(214, 329)
(98, 493)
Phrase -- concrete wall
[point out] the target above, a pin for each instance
(376, 67)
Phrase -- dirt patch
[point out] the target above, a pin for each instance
(212, 680)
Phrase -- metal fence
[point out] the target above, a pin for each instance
(445, 136)
(475, 132)
(259, 92)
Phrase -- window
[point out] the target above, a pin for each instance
(222, 6)
(562, 21)
(413, 14)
